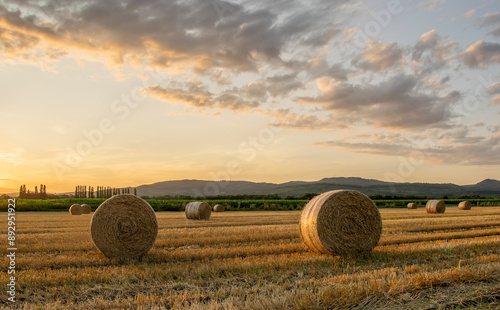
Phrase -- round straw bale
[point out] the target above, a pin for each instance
(86, 209)
(341, 222)
(218, 208)
(435, 206)
(124, 226)
(75, 209)
(412, 205)
(198, 210)
(465, 205)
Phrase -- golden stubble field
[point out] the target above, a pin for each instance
(255, 260)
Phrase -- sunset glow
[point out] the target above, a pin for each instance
(124, 93)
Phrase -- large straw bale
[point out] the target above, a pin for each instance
(341, 222)
(124, 226)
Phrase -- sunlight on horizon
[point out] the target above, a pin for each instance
(394, 91)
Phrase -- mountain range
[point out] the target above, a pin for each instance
(487, 188)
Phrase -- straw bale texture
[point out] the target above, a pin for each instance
(218, 208)
(198, 210)
(341, 222)
(412, 205)
(124, 226)
(465, 205)
(86, 209)
(75, 209)
(435, 206)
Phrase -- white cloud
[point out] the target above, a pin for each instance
(454, 147)
(379, 56)
(494, 88)
(394, 103)
(495, 100)
(490, 19)
(431, 53)
(431, 5)
(194, 94)
(495, 32)
(470, 13)
(481, 54)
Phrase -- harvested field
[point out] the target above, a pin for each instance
(255, 260)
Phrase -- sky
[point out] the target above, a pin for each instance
(124, 93)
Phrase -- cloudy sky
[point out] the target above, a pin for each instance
(129, 92)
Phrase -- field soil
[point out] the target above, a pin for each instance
(256, 260)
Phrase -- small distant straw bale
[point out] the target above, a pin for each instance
(435, 206)
(75, 209)
(86, 209)
(218, 208)
(124, 226)
(198, 211)
(465, 205)
(341, 222)
(412, 205)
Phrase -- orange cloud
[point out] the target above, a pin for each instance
(379, 56)
(481, 54)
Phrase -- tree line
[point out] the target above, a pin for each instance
(38, 193)
(82, 191)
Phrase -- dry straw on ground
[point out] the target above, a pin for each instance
(412, 205)
(341, 222)
(75, 209)
(465, 205)
(218, 208)
(86, 209)
(435, 206)
(124, 226)
(198, 210)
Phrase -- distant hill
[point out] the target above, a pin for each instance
(353, 181)
(486, 187)
(202, 188)
(489, 188)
